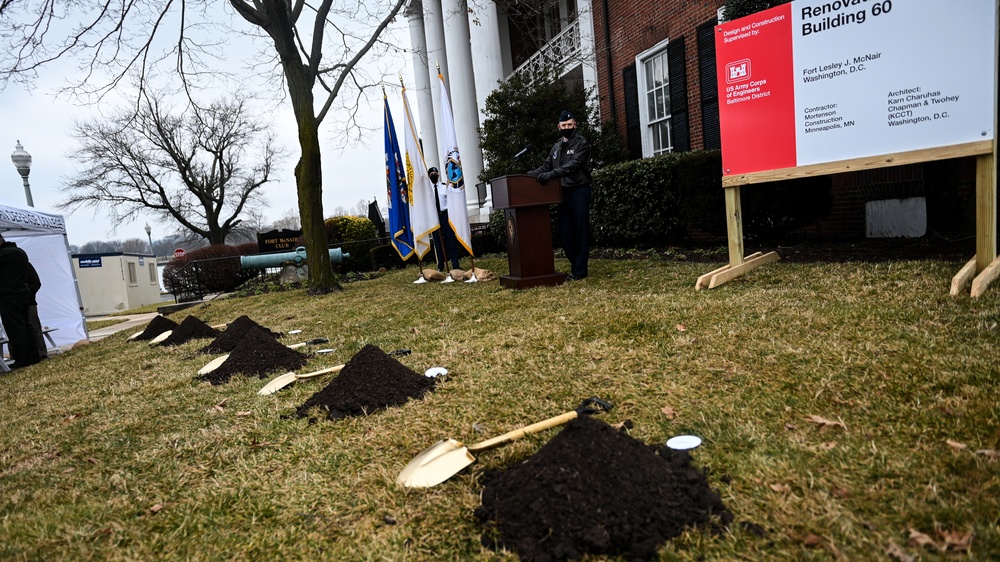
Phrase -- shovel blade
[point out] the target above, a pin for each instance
(160, 337)
(213, 365)
(435, 464)
(277, 383)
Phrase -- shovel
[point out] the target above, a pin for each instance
(218, 361)
(166, 334)
(447, 458)
(281, 381)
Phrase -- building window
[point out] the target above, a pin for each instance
(152, 273)
(133, 278)
(654, 104)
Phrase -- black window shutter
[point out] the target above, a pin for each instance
(633, 127)
(678, 95)
(707, 79)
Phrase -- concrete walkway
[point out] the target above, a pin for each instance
(133, 322)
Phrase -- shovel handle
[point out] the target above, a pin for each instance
(296, 345)
(526, 430)
(318, 373)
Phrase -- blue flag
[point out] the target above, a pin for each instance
(395, 185)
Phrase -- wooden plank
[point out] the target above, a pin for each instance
(734, 272)
(703, 280)
(866, 163)
(963, 277)
(986, 211)
(987, 276)
(734, 225)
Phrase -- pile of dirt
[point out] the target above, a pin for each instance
(190, 328)
(256, 355)
(595, 490)
(234, 334)
(369, 382)
(156, 326)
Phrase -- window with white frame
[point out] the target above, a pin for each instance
(654, 100)
(152, 274)
(133, 279)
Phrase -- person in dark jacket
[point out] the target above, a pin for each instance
(569, 161)
(35, 285)
(445, 242)
(15, 298)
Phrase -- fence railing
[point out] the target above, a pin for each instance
(563, 49)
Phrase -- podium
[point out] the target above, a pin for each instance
(525, 204)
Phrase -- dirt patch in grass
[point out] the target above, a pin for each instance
(370, 381)
(595, 490)
(234, 334)
(257, 354)
(191, 328)
(156, 326)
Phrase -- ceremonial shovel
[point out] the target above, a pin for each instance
(281, 381)
(166, 334)
(218, 361)
(447, 458)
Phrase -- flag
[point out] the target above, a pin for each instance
(458, 215)
(395, 185)
(423, 212)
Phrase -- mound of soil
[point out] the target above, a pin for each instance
(190, 328)
(369, 382)
(156, 326)
(256, 355)
(592, 489)
(234, 334)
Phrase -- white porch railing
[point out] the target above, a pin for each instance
(558, 53)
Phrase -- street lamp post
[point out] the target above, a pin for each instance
(22, 161)
(149, 234)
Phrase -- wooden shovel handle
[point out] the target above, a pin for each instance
(296, 345)
(527, 430)
(320, 372)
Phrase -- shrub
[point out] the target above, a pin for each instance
(661, 200)
(212, 269)
(356, 236)
(386, 256)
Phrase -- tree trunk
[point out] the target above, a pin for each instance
(309, 183)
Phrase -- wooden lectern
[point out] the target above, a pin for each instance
(525, 204)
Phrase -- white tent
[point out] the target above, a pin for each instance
(42, 236)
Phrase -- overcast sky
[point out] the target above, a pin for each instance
(43, 123)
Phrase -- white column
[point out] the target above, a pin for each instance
(484, 25)
(463, 97)
(425, 103)
(434, 34)
(588, 51)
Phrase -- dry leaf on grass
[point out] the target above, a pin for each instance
(781, 488)
(790, 427)
(156, 508)
(920, 539)
(840, 492)
(812, 541)
(956, 445)
(244, 413)
(627, 424)
(989, 453)
(828, 446)
(823, 423)
(68, 470)
(956, 541)
(896, 553)
(681, 328)
(669, 412)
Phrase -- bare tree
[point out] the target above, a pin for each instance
(203, 170)
(118, 37)
(134, 246)
(288, 221)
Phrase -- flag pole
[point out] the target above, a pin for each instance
(420, 264)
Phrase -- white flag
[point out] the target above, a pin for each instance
(458, 215)
(423, 211)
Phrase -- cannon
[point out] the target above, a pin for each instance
(296, 258)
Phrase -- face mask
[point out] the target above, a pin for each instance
(434, 178)
(568, 133)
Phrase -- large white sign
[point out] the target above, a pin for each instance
(811, 82)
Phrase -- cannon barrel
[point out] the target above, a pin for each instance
(298, 257)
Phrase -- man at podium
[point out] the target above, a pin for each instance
(569, 161)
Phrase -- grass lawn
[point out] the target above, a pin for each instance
(104, 323)
(844, 408)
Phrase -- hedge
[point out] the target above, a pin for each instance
(217, 269)
(356, 236)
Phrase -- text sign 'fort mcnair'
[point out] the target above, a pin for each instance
(813, 82)
(278, 240)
